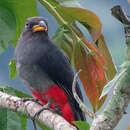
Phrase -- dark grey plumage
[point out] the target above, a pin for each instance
(40, 64)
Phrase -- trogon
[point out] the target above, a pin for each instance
(45, 69)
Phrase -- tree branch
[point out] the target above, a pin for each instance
(121, 95)
(30, 108)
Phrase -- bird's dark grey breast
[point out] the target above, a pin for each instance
(28, 70)
(33, 77)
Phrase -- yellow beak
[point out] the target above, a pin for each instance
(37, 28)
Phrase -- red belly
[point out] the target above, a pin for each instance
(59, 96)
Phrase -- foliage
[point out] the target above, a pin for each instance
(82, 125)
(14, 17)
(7, 25)
(12, 69)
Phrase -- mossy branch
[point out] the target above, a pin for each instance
(116, 107)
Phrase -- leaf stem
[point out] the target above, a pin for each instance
(55, 11)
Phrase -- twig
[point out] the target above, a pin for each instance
(34, 124)
(30, 108)
(116, 107)
(81, 104)
(119, 14)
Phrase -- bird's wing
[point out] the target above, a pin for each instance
(57, 66)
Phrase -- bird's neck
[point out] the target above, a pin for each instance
(35, 35)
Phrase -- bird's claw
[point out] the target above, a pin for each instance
(57, 110)
(31, 99)
(42, 109)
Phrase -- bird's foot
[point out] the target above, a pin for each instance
(31, 99)
(36, 101)
(57, 110)
(45, 107)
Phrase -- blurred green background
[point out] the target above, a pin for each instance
(113, 33)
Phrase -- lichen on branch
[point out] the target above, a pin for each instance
(116, 107)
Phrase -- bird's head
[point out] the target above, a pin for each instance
(35, 25)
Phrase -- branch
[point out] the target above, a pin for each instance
(30, 108)
(119, 14)
(116, 107)
(81, 104)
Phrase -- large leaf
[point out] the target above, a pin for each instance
(17, 11)
(7, 28)
(113, 82)
(12, 69)
(62, 38)
(3, 119)
(13, 15)
(87, 17)
(43, 127)
(92, 75)
(111, 69)
(10, 120)
(85, 56)
(70, 12)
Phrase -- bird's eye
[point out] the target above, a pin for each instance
(27, 24)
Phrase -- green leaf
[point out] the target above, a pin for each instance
(126, 64)
(23, 122)
(82, 125)
(112, 83)
(69, 3)
(15, 13)
(7, 27)
(43, 127)
(3, 119)
(9, 120)
(62, 38)
(12, 69)
(14, 92)
(13, 121)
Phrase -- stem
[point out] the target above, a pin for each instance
(54, 11)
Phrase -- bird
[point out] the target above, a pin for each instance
(46, 70)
